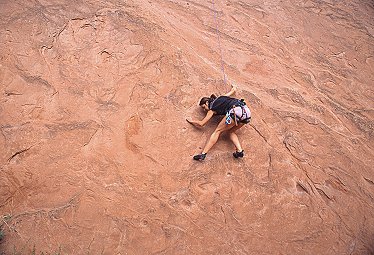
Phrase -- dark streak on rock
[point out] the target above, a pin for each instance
(324, 195)
(263, 137)
(35, 79)
(90, 138)
(224, 215)
(369, 181)
(72, 126)
(301, 187)
(18, 153)
(8, 93)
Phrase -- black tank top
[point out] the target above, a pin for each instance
(221, 105)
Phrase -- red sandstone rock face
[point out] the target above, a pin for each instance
(97, 155)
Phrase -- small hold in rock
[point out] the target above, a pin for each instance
(301, 188)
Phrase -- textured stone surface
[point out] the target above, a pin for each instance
(96, 152)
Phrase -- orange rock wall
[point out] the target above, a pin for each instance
(97, 155)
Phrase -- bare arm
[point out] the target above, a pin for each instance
(232, 91)
(201, 123)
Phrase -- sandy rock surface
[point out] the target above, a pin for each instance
(97, 154)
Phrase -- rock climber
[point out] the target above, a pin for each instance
(237, 114)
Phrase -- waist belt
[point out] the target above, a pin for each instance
(232, 114)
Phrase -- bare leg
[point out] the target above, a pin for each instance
(222, 126)
(234, 138)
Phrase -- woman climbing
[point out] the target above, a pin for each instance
(237, 114)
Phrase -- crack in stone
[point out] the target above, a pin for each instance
(19, 152)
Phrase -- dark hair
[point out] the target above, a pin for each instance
(207, 99)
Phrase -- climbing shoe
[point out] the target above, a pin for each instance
(238, 154)
(200, 156)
